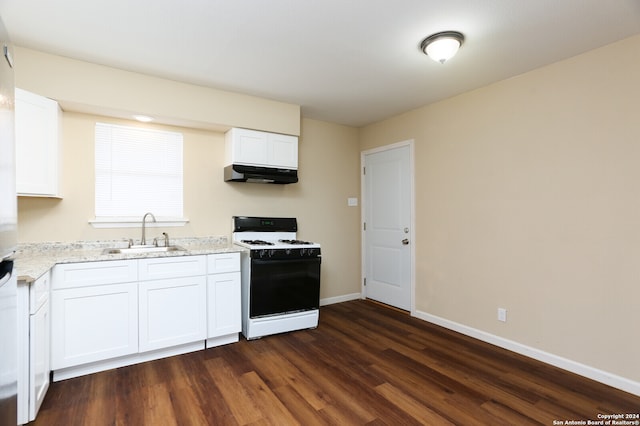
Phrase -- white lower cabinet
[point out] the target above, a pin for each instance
(34, 359)
(173, 308)
(223, 299)
(114, 313)
(224, 320)
(39, 361)
(172, 312)
(94, 315)
(94, 323)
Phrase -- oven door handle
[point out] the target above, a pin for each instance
(269, 261)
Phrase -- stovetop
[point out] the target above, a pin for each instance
(267, 243)
(260, 233)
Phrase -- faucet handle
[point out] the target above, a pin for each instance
(165, 238)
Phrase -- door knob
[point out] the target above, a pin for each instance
(405, 241)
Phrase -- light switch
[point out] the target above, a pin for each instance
(352, 201)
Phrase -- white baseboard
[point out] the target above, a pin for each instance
(340, 299)
(108, 364)
(537, 354)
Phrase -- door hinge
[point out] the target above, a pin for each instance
(365, 282)
(364, 226)
(364, 170)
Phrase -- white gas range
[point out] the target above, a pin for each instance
(280, 276)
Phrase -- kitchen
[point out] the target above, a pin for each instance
(204, 188)
(531, 202)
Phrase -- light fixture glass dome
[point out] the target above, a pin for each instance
(143, 118)
(442, 46)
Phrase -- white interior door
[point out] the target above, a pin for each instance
(387, 201)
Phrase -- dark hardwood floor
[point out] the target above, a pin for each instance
(364, 364)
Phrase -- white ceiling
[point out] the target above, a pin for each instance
(346, 61)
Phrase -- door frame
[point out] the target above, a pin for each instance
(363, 267)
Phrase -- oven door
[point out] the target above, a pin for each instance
(279, 286)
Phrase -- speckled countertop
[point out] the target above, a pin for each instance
(34, 259)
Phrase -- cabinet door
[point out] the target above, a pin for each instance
(37, 138)
(172, 312)
(247, 147)
(39, 356)
(282, 151)
(223, 304)
(93, 324)
(24, 323)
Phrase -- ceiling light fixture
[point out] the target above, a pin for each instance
(442, 46)
(143, 118)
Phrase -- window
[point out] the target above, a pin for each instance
(137, 171)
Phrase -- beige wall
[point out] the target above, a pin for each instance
(328, 160)
(528, 198)
(90, 88)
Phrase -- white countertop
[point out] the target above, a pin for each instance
(34, 259)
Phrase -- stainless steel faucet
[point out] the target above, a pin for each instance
(143, 241)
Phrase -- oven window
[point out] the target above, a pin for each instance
(284, 285)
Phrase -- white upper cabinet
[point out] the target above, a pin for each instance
(37, 132)
(255, 148)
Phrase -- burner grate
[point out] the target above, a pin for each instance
(296, 242)
(257, 242)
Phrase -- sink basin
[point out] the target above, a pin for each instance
(141, 249)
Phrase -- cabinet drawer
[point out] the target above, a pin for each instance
(172, 267)
(73, 275)
(223, 262)
(39, 292)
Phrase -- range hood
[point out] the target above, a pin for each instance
(257, 174)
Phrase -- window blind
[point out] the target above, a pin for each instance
(137, 171)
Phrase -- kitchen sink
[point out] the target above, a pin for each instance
(141, 249)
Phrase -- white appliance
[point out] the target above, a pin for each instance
(8, 240)
(280, 276)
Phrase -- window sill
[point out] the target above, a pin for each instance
(129, 222)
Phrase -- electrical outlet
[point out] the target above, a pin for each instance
(502, 314)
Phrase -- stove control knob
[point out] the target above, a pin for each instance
(287, 252)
